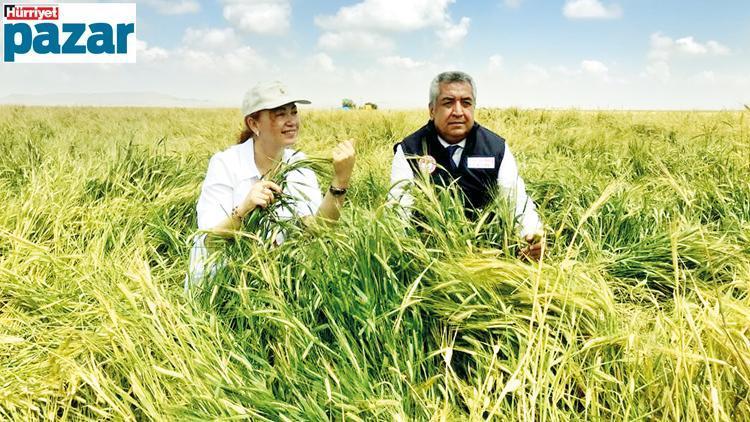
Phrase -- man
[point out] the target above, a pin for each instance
(451, 146)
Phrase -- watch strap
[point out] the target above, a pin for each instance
(336, 191)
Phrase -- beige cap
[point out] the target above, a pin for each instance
(267, 95)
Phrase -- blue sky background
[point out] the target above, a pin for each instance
(634, 54)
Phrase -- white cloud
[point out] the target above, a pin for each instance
(241, 60)
(258, 16)
(381, 18)
(586, 70)
(324, 61)
(495, 63)
(567, 72)
(707, 76)
(210, 39)
(590, 9)
(533, 74)
(711, 78)
(236, 61)
(355, 41)
(452, 34)
(147, 54)
(174, 7)
(664, 49)
(400, 62)
(598, 70)
(661, 47)
(286, 53)
(513, 4)
(659, 70)
(217, 48)
(387, 15)
(689, 46)
(717, 48)
(594, 67)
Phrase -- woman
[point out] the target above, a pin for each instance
(235, 186)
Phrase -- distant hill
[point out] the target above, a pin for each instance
(147, 99)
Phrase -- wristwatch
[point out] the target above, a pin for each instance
(336, 191)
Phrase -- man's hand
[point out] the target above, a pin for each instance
(533, 251)
(343, 163)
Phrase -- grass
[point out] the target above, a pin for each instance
(639, 309)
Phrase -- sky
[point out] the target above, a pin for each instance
(586, 54)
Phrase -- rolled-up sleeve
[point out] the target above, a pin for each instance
(401, 178)
(215, 201)
(513, 187)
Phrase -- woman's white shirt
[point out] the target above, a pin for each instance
(230, 176)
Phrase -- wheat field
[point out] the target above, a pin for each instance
(639, 310)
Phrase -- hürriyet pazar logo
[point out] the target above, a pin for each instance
(68, 33)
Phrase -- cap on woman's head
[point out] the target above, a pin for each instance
(268, 95)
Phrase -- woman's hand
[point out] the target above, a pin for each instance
(261, 195)
(343, 163)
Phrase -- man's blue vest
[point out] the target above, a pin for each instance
(477, 184)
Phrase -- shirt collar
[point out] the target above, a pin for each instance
(247, 165)
(445, 144)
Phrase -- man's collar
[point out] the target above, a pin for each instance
(431, 128)
(445, 144)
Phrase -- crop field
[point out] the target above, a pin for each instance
(639, 309)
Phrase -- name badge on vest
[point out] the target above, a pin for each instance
(480, 162)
